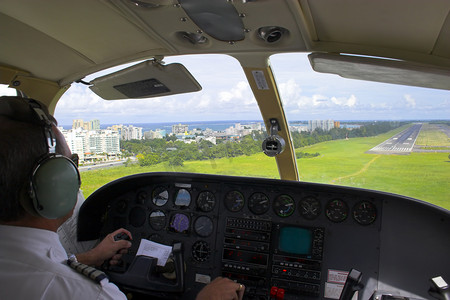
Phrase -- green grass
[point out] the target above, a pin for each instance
(430, 135)
(424, 176)
(257, 165)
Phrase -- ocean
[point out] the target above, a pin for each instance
(214, 125)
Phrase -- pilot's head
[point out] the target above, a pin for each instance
(37, 178)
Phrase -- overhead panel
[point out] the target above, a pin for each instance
(412, 25)
(78, 32)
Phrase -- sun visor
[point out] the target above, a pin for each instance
(145, 80)
(381, 70)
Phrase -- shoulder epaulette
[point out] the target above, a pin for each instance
(88, 271)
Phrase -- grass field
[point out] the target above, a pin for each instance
(431, 136)
(424, 176)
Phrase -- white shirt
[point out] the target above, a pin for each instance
(33, 266)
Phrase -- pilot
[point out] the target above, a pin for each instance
(38, 192)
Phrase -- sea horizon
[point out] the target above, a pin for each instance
(221, 125)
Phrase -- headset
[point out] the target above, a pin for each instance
(55, 180)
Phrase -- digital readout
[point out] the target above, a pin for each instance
(245, 257)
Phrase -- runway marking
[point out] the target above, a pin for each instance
(395, 148)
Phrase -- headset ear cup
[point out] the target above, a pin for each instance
(54, 186)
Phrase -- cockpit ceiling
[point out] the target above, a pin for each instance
(63, 41)
(413, 26)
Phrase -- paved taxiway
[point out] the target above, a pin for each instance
(401, 143)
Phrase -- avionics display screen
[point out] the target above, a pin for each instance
(295, 240)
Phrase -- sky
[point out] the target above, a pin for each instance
(226, 95)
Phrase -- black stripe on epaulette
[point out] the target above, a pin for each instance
(87, 271)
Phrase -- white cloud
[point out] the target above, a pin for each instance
(341, 101)
(410, 101)
(289, 91)
(82, 103)
(240, 92)
(226, 95)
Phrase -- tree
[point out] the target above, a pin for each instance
(176, 161)
(148, 159)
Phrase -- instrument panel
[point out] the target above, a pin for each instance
(282, 239)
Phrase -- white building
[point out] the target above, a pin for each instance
(157, 134)
(84, 142)
(104, 141)
(129, 132)
(298, 128)
(325, 125)
(76, 139)
(91, 125)
(179, 129)
(211, 139)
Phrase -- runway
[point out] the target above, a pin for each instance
(401, 143)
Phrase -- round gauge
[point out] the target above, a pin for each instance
(206, 201)
(121, 206)
(154, 237)
(137, 216)
(203, 226)
(201, 251)
(336, 210)
(142, 197)
(234, 201)
(183, 198)
(157, 220)
(160, 196)
(258, 203)
(364, 212)
(284, 206)
(310, 207)
(180, 223)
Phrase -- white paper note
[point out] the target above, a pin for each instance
(152, 249)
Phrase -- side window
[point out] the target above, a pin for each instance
(7, 91)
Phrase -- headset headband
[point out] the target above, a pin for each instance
(47, 124)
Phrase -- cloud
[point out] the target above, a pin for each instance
(240, 92)
(226, 95)
(410, 102)
(340, 101)
(289, 90)
(81, 103)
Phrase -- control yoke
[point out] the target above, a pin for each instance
(273, 144)
(144, 276)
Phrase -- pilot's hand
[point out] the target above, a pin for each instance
(107, 249)
(222, 289)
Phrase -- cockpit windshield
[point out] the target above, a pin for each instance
(354, 133)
